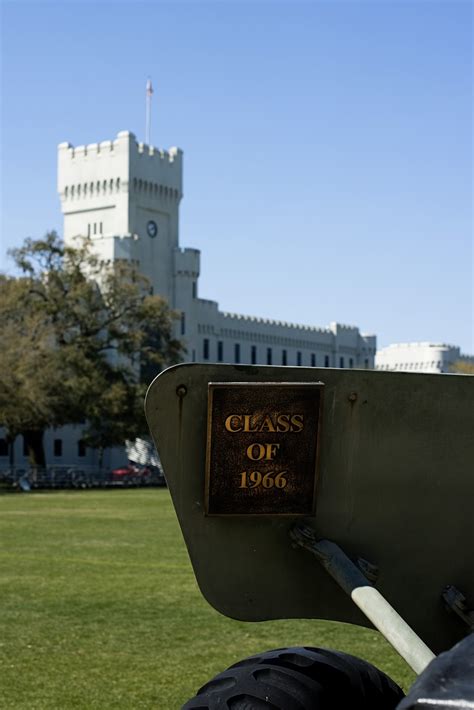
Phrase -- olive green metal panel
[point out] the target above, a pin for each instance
(395, 486)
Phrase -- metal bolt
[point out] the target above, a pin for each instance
(181, 390)
(352, 397)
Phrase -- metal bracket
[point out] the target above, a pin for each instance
(456, 601)
(370, 601)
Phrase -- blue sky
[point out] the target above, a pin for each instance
(327, 145)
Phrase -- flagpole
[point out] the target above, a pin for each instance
(149, 92)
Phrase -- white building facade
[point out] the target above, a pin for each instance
(125, 196)
(420, 357)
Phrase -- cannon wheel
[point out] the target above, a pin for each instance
(300, 678)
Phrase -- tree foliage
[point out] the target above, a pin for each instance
(463, 367)
(77, 337)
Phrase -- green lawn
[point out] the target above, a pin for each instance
(100, 609)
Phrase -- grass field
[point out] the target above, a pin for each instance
(100, 609)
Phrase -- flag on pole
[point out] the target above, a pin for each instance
(149, 88)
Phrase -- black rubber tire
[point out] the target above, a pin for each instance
(299, 678)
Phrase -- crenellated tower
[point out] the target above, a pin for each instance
(125, 196)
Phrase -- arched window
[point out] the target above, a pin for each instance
(92, 188)
(85, 189)
(72, 190)
(104, 186)
(78, 190)
(66, 190)
(117, 184)
(111, 185)
(98, 186)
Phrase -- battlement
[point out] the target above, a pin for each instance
(123, 158)
(187, 262)
(123, 138)
(417, 345)
(339, 328)
(278, 323)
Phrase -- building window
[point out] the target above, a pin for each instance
(366, 364)
(194, 289)
(194, 355)
(205, 349)
(313, 360)
(269, 356)
(299, 358)
(81, 448)
(58, 447)
(183, 323)
(253, 354)
(100, 227)
(326, 361)
(88, 230)
(3, 447)
(284, 359)
(237, 352)
(220, 351)
(95, 227)
(341, 362)
(351, 362)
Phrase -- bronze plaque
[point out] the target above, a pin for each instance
(262, 448)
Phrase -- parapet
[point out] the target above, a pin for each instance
(125, 157)
(338, 328)
(187, 262)
(278, 323)
(416, 345)
(171, 155)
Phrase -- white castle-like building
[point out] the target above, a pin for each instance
(125, 196)
(421, 357)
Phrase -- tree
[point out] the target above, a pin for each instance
(76, 340)
(463, 367)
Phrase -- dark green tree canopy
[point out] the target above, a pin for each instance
(78, 335)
